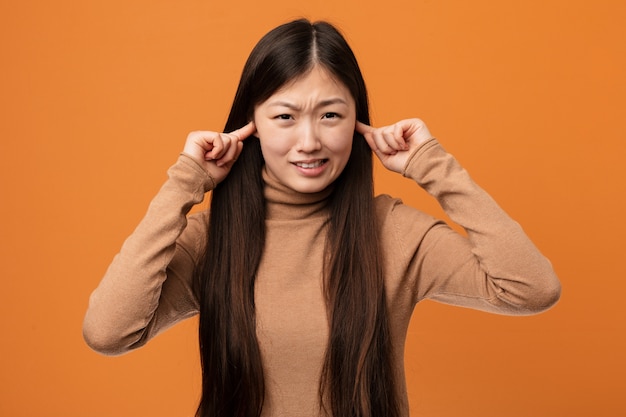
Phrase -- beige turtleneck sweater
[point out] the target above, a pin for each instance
(148, 286)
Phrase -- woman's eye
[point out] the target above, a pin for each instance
(283, 116)
(330, 115)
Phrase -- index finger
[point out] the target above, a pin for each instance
(362, 128)
(244, 132)
(366, 131)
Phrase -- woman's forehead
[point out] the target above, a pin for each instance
(317, 83)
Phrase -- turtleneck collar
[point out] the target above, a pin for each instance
(283, 203)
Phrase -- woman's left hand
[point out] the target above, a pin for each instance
(394, 144)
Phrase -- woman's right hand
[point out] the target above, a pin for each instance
(217, 152)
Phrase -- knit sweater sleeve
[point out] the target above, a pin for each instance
(149, 284)
(496, 268)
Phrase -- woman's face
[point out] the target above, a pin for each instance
(306, 131)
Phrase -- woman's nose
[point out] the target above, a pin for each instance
(308, 140)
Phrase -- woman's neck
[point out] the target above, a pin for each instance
(283, 203)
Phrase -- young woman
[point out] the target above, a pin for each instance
(304, 281)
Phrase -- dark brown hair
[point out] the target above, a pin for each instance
(358, 374)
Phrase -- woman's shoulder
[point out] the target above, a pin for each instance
(194, 236)
(387, 205)
(385, 201)
(395, 216)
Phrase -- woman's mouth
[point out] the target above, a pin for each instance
(311, 168)
(311, 164)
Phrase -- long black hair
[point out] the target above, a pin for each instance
(358, 373)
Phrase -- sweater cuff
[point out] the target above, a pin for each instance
(188, 177)
(193, 172)
(411, 168)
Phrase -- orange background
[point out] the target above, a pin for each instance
(97, 98)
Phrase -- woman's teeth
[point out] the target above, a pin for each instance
(310, 165)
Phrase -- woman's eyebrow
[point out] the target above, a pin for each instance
(281, 103)
(323, 103)
(331, 101)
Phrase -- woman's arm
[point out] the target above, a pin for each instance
(149, 285)
(496, 267)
